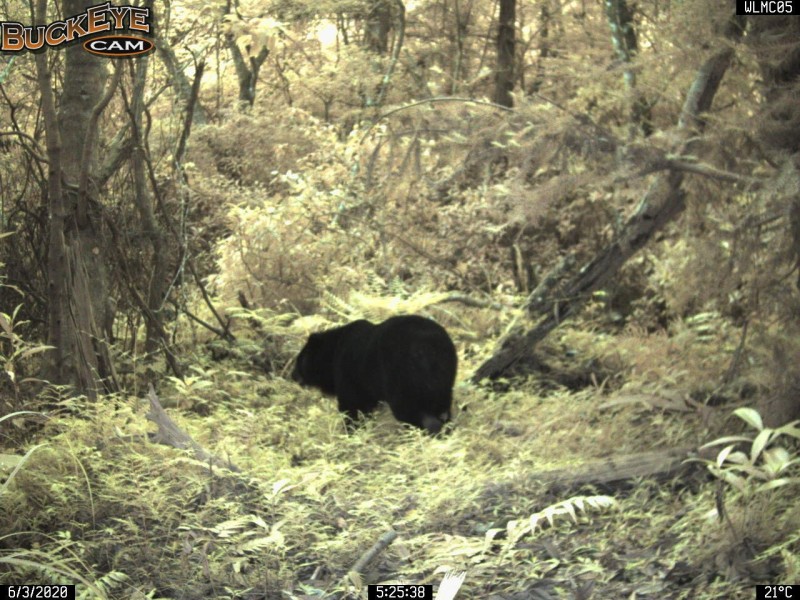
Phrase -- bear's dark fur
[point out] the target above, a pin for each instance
(408, 361)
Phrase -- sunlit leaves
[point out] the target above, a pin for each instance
(764, 461)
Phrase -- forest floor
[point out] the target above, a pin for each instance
(101, 505)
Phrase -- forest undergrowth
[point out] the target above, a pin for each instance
(95, 501)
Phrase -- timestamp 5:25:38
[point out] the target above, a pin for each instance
(400, 591)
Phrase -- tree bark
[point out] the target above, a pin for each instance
(57, 247)
(504, 75)
(662, 203)
(79, 300)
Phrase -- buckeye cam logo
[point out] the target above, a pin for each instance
(118, 45)
(123, 26)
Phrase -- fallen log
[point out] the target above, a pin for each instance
(608, 472)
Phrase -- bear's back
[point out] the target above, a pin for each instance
(415, 347)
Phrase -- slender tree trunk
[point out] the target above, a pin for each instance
(398, 46)
(626, 46)
(462, 26)
(151, 228)
(378, 25)
(56, 245)
(247, 67)
(544, 47)
(504, 75)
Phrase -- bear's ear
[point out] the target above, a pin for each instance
(314, 340)
(315, 343)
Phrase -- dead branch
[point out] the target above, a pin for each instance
(383, 542)
(714, 173)
(436, 100)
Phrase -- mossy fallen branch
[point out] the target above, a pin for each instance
(383, 542)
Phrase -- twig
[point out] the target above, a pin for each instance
(712, 172)
(470, 301)
(225, 335)
(34, 151)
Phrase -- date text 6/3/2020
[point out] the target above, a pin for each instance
(37, 592)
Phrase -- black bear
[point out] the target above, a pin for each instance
(408, 361)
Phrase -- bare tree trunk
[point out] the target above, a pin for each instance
(662, 203)
(544, 47)
(462, 21)
(626, 46)
(152, 230)
(78, 302)
(398, 46)
(379, 23)
(776, 45)
(247, 68)
(57, 248)
(247, 72)
(504, 75)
